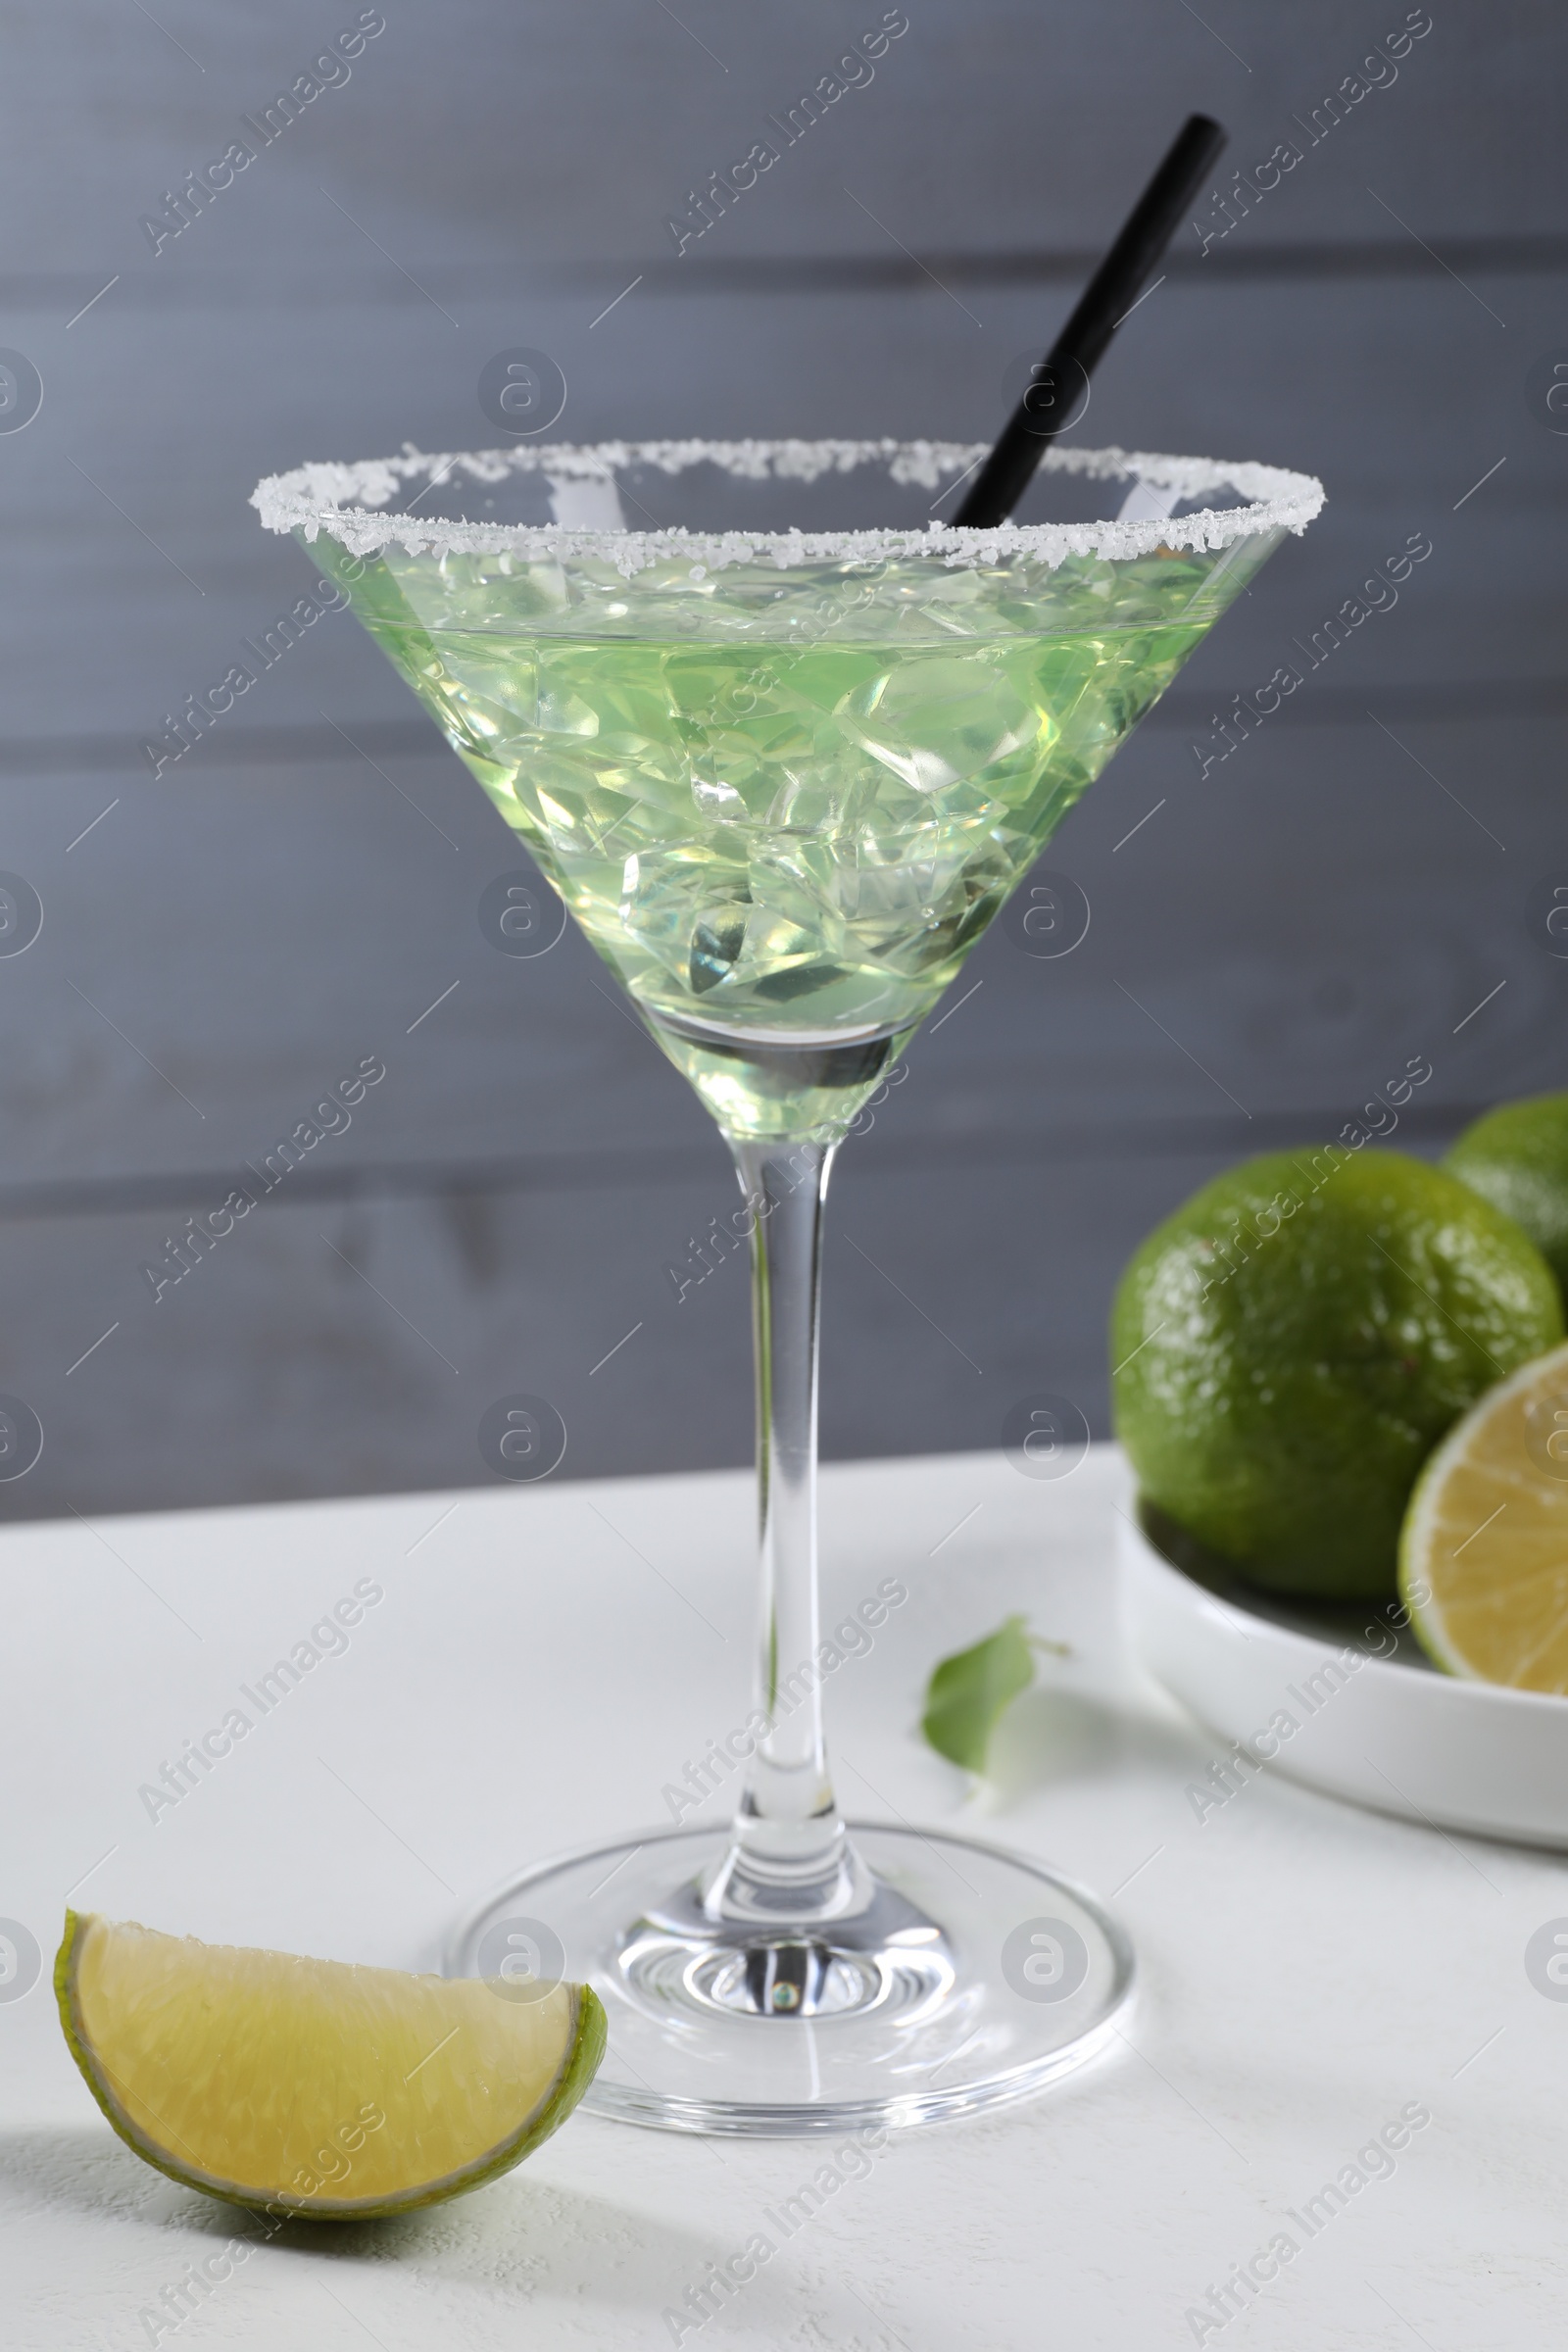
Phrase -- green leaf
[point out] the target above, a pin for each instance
(967, 1694)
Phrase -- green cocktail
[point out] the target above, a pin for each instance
(784, 753)
(783, 805)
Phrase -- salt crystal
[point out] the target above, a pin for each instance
(353, 504)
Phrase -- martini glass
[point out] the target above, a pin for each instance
(785, 745)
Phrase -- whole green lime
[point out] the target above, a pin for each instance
(1290, 1345)
(1517, 1157)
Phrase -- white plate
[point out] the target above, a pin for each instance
(1386, 1730)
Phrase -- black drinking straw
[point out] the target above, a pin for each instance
(1105, 301)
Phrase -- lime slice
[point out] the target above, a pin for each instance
(311, 2088)
(1483, 1555)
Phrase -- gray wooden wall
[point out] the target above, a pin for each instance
(219, 944)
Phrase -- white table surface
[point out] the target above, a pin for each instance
(543, 1661)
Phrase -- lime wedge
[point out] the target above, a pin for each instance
(311, 2088)
(1483, 1555)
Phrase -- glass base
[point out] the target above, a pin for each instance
(970, 1979)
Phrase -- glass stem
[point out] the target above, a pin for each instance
(790, 1863)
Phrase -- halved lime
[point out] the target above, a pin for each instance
(313, 2087)
(1483, 1555)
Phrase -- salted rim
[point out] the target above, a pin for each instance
(318, 497)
